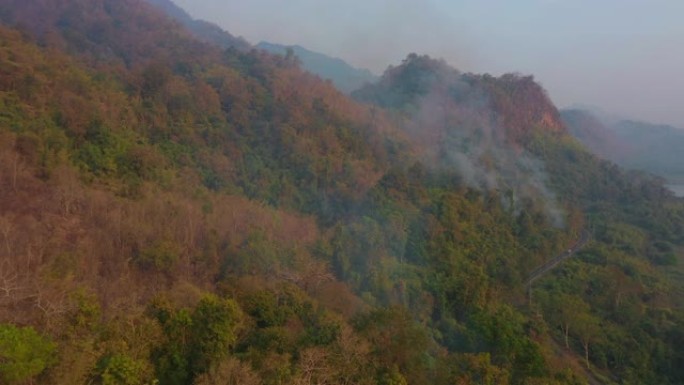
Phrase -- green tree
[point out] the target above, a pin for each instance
(23, 353)
(196, 340)
(503, 331)
(120, 369)
(216, 322)
(171, 357)
(588, 331)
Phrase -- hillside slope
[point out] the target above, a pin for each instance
(173, 211)
(507, 130)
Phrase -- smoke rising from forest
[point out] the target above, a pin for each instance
(455, 127)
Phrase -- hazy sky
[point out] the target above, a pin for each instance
(625, 56)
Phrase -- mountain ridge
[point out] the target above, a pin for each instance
(345, 77)
(204, 30)
(172, 211)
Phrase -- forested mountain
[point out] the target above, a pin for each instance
(634, 145)
(345, 77)
(175, 212)
(203, 30)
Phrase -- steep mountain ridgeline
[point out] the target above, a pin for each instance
(522, 104)
(477, 124)
(519, 103)
(173, 211)
(203, 30)
(128, 32)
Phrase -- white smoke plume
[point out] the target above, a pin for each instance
(454, 126)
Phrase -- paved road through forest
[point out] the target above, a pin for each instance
(546, 267)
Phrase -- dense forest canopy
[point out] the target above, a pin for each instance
(178, 212)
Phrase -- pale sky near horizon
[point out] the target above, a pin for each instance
(623, 56)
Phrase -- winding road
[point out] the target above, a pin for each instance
(549, 265)
(546, 267)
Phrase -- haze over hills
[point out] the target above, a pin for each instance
(173, 211)
(623, 56)
(634, 145)
(344, 76)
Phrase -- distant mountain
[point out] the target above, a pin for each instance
(631, 144)
(595, 133)
(344, 76)
(655, 148)
(204, 30)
